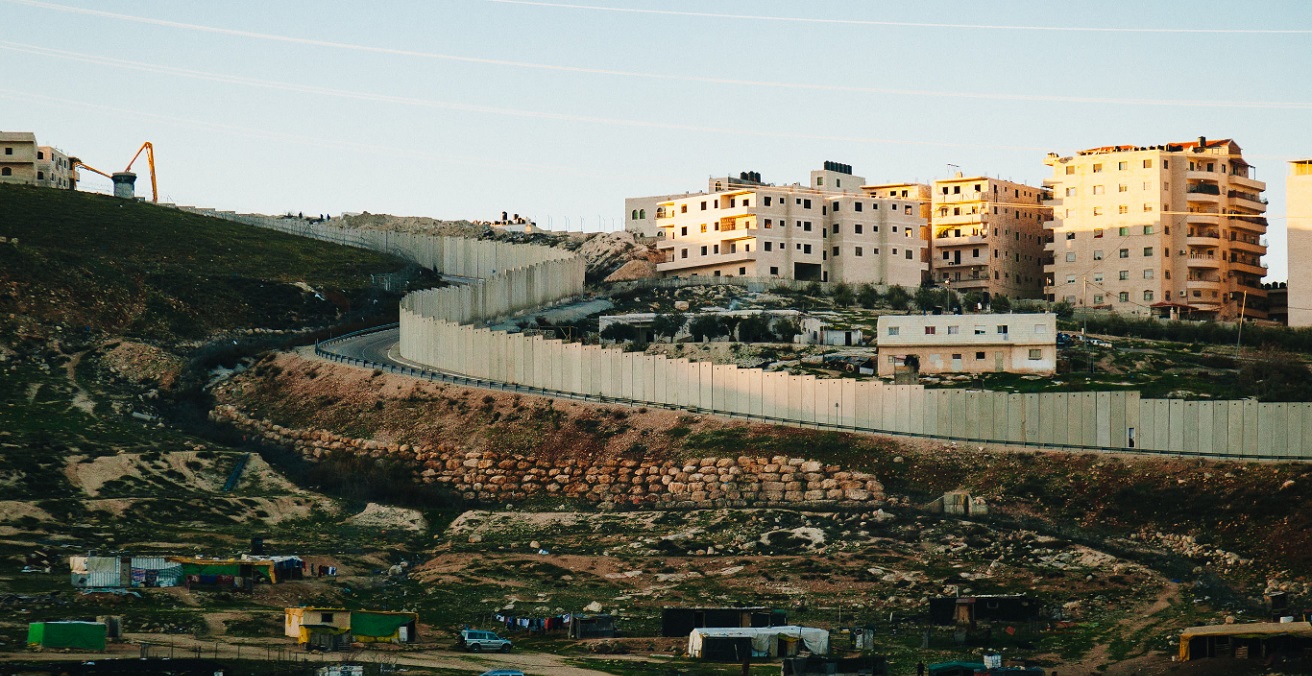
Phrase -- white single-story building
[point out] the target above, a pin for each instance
(972, 343)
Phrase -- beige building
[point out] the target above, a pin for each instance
(988, 236)
(829, 230)
(1174, 230)
(972, 343)
(1298, 214)
(18, 157)
(23, 161)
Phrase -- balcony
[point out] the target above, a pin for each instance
(1247, 200)
(1249, 267)
(697, 261)
(1247, 182)
(1251, 223)
(1203, 239)
(1203, 261)
(1252, 245)
(1200, 218)
(1203, 285)
(962, 219)
(964, 240)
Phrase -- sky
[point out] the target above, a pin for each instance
(559, 110)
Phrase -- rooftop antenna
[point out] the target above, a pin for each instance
(953, 169)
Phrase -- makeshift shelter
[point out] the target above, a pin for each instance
(381, 626)
(318, 628)
(677, 621)
(734, 644)
(98, 572)
(972, 609)
(75, 635)
(592, 626)
(866, 665)
(155, 571)
(1257, 640)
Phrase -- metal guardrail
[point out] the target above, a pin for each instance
(321, 350)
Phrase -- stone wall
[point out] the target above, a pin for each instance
(745, 481)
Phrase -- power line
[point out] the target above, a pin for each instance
(700, 79)
(906, 24)
(466, 107)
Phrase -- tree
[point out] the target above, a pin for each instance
(668, 325)
(729, 325)
(619, 332)
(705, 326)
(867, 296)
(928, 298)
(755, 329)
(842, 294)
(1276, 375)
(786, 329)
(897, 297)
(1000, 303)
(973, 300)
(1063, 310)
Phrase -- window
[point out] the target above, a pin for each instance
(1098, 299)
(683, 231)
(768, 223)
(1070, 256)
(774, 270)
(1070, 235)
(857, 228)
(1070, 192)
(1097, 190)
(1124, 231)
(1123, 209)
(858, 251)
(954, 330)
(1002, 329)
(1070, 279)
(931, 330)
(806, 248)
(767, 200)
(683, 253)
(1070, 171)
(769, 246)
(1121, 166)
(1097, 168)
(703, 227)
(819, 180)
(835, 252)
(956, 190)
(806, 204)
(9, 151)
(1148, 274)
(1097, 276)
(1097, 254)
(40, 175)
(856, 206)
(703, 250)
(908, 253)
(1097, 232)
(893, 330)
(1147, 164)
(715, 248)
(6, 171)
(1097, 211)
(979, 355)
(1147, 229)
(703, 208)
(1147, 251)
(1122, 187)
(806, 225)
(979, 330)
(1123, 296)
(1124, 275)
(325, 618)
(956, 357)
(835, 207)
(742, 271)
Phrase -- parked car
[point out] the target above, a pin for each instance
(477, 640)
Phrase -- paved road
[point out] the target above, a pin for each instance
(375, 347)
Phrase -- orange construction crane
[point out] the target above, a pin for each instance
(146, 147)
(150, 159)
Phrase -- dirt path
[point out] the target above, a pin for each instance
(282, 650)
(1098, 659)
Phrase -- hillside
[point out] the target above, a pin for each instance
(78, 262)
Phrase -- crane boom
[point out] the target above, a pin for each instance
(149, 149)
(80, 164)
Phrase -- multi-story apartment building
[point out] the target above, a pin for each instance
(753, 229)
(54, 168)
(18, 157)
(988, 236)
(1174, 230)
(23, 161)
(1298, 220)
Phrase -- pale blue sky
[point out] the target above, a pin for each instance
(380, 121)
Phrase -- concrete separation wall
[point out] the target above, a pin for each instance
(443, 330)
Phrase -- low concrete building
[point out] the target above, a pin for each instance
(975, 343)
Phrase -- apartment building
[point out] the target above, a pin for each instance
(18, 157)
(1298, 214)
(988, 236)
(828, 230)
(973, 343)
(1173, 230)
(23, 161)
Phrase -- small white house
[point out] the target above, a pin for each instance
(972, 343)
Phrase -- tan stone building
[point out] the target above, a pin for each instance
(988, 236)
(971, 343)
(828, 230)
(23, 161)
(1174, 230)
(1298, 213)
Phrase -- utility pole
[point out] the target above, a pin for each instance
(1239, 339)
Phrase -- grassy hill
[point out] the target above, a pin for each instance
(92, 262)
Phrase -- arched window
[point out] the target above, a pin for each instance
(634, 217)
(642, 214)
(6, 171)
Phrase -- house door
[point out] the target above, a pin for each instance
(997, 361)
(847, 337)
